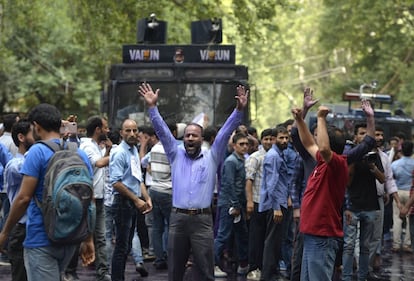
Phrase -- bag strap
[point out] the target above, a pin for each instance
(63, 145)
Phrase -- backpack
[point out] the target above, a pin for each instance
(68, 207)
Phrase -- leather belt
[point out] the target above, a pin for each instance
(192, 212)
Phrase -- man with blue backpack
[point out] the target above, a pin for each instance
(53, 233)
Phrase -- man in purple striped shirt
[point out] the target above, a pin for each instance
(193, 173)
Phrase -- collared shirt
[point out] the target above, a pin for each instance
(95, 153)
(13, 179)
(254, 171)
(298, 183)
(403, 169)
(121, 159)
(5, 157)
(389, 184)
(274, 189)
(193, 180)
(8, 142)
(233, 183)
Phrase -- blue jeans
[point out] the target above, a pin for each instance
(109, 232)
(318, 258)
(47, 263)
(124, 216)
(161, 211)
(226, 228)
(367, 221)
(101, 253)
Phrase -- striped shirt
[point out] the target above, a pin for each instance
(160, 170)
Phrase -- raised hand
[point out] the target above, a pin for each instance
(242, 96)
(323, 111)
(297, 113)
(308, 100)
(150, 97)
(366, 107)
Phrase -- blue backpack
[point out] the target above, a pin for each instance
(68, 206)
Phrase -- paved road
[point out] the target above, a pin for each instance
(397, 267)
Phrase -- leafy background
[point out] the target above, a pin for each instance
(59, 51)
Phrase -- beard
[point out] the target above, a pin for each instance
(192, 149)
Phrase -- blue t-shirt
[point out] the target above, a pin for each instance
(35, 166)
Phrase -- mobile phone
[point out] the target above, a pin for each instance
(69, 128)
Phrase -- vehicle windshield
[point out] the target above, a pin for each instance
(177, 102)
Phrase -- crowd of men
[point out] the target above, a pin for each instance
(297, 203)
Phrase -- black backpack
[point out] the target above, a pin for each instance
(68, 207)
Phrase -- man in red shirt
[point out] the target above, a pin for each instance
(321, 216)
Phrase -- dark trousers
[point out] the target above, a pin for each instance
(124, 217)
(288, 236)
(272, 246)
(15, 252)
(297, 254)
(190, 233)
(257, 233)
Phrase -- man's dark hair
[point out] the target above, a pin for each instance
(251, 130)
(280, 130)
(195, 124)
(267, 132)
(114, 136)
(407, 148)
(209, 134)
(401, 135)
(147, 130)
(47, 116)
(379, 128)
(288, 122)
(21, 127)
(238, 136)
(173, 128)
(92, 123)
(359, 125)
(336, 139)
(8, 121)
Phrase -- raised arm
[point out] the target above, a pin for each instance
(304, 133)
(242, 96)
(150, 97)
(369, 112)
(322, 134)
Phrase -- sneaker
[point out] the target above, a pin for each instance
(242, 270)
(141, 270)
(218, 273)
(254, 275)
(282, 265)
(71, 277)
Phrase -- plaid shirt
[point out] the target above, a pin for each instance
(254, 171)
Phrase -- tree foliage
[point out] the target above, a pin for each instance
(59, 51)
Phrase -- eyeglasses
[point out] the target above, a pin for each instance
(243, 143)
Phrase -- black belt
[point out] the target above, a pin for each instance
(192, 212)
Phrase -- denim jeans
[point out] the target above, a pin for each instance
(136, 250)
(161, 211)
(109, 232)
(47, 263)
(367, 221)
(318, 258)
(101, 253)
(226, 228)
(124, 216)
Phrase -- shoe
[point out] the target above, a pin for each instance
(242, 270)
(149, 257)
(141, 270)
(218, 273)
(106, 277)
(282, 266)
(374, 276)
(161, 265)
(71, 277)
(254, 275)
(4, 260)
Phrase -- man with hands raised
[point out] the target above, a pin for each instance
(193, 173)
